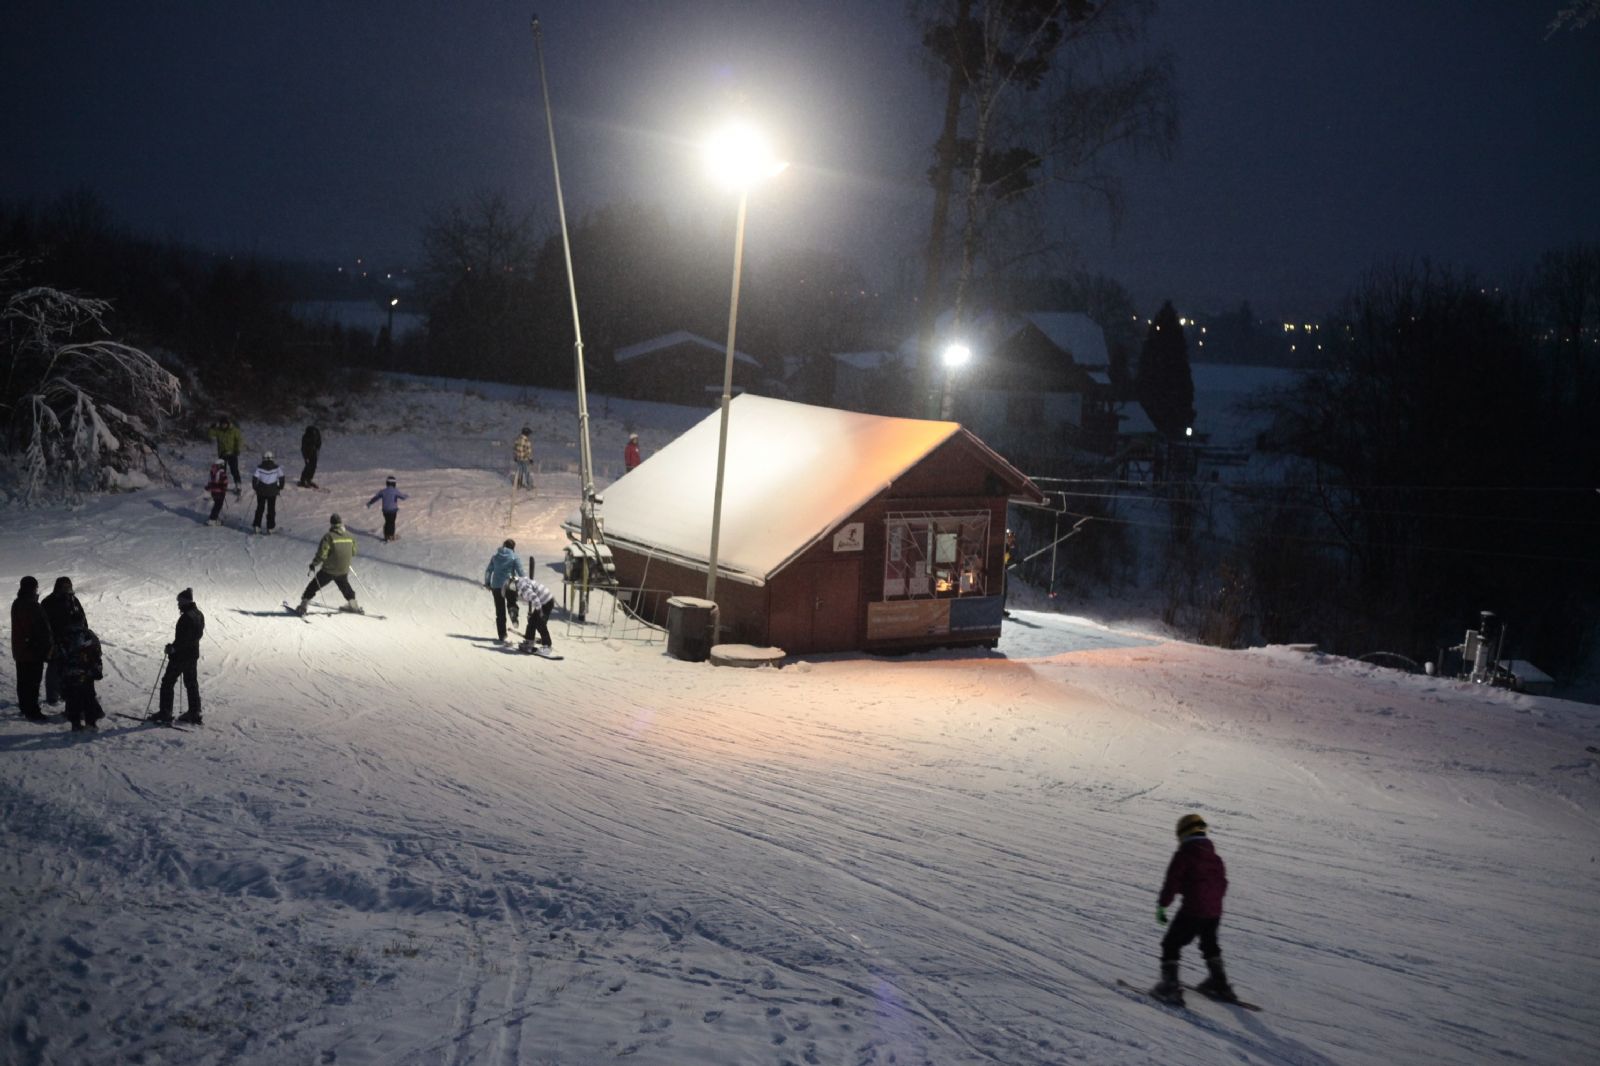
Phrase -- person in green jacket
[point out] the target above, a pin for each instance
(335, 553)
(230, 441)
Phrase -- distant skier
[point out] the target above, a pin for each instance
(391, 497)
(503, 566)
(310, 447)
(630, 454)
(218, 487)
(80, 670)
(541, 601)
(1196, 873)
(230, 441)
(335, 553)
(522, 453)
(183, 660)
(30, 646)
(65, 613)
(267, 482)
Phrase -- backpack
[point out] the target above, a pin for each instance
(83, 658)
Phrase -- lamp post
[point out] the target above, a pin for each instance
(955, 356)
(392, 301)
(738, 156)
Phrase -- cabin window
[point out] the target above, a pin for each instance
(931, 554)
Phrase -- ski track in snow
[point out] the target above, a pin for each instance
(391, 843)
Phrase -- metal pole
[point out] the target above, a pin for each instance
(585, 460)
(727, 390)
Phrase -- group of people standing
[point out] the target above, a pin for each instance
(266, 481)
(509, 584)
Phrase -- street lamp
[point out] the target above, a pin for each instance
(738, 157)
(393, 300)
(955, 356)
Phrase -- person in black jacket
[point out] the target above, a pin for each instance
(310, 445)
(65, 614)
(81, 668)
(30, 646)
(183, 658)
(267, 482)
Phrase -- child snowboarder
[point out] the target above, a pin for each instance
(503, 566)
(218, 487)
(335, 553)
(541, 601)
(1197, 874)
(391, 498)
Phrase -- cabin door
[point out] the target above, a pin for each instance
(822, 608)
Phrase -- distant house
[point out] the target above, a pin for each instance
(681, 367)
(1229, 419)
(840, 530)
(871, 381)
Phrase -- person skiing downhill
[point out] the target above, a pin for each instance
(541, 601)
(267, 482)
(1196, 873)
(218, 487)
(335, 552)
(391, 497)
(503, 566)
(183, 660)
(30, 646)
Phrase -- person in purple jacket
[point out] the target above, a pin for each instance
(391, 498)
(1197, 874)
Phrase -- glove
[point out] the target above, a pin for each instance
(167, 650)
(1161, 916)
(311, 569)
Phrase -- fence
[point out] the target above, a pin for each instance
(608, 613)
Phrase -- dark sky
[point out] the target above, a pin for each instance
(1317, 139)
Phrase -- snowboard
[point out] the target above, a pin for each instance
(538, 653)
(1145, 993)
(1215, 999)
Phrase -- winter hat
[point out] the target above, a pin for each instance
(389, 480)
(28, 584)
(186, 597)
(63, 584)
(266, 455)
(633, 436)
(526, 431)
(1190, 825)
(335, 520)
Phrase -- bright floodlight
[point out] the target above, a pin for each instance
(957, 355)
(739, 156)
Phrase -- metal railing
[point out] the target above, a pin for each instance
(611, 613)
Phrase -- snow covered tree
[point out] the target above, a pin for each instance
(78, 404)
(1164, 384)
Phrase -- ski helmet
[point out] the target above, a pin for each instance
(389, 480)
(334, 519)
(1190, 824)
(266, 455)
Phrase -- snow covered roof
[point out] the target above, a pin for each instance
(867, 360)
(794, 471)
(673, 339)
(1074, 333)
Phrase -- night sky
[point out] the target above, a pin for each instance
(1317, 139)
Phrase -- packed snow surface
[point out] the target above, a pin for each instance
(394, 842)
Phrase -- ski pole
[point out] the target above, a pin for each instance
(153, 688)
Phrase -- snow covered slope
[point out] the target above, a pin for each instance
(394, 843)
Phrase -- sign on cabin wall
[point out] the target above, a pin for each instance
(908, 618)
(849, 538)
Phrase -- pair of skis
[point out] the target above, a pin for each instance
(306, 618)
(151, 721)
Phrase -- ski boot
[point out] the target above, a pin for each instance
(1216, 985)
(301, 610)
(213, 522)
(190, 718)
(1168, 990)
(352, 607)
(160, 718)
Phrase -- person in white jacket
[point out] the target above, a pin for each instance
(541, 601)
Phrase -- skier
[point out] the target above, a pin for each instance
(522, 452)
(218, 487)
(183, 659)
(1196, 873)
(65, 614)
(229, 441)
(30, 646)
(503, 566)
(541, 601)
(310, 445)
(630, 454)
(81, 669)
(335, 553)
(267, 482)
(391, 497)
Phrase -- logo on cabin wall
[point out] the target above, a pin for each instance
(848, 538)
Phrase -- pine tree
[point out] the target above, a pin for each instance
(1164, 385)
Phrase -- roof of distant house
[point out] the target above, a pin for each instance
(672, 340)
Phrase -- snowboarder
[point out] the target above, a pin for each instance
(541, 601)
(80, 670)
(267, 483)
(310, 445)
(65, 614)
(183, 660)
(503, 566)
(30, 646)
(630, 454)
(1196, 873)
(218, 487)
(522, 453)
(229, 443)
(335, 553)
(391, 497)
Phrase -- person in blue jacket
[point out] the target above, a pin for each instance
(391, 498)
(503, 566)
